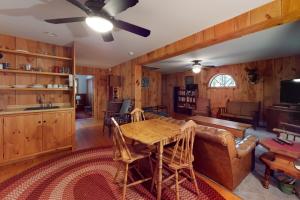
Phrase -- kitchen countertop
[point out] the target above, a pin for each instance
(22, 111)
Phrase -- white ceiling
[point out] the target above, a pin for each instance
(276, 42)
(169, 20)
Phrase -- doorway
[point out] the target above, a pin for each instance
(84, 96)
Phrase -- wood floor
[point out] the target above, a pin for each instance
(88, 134)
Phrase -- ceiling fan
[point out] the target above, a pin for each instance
(101, 17)
(198, 66)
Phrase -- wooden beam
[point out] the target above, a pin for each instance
(275, 13)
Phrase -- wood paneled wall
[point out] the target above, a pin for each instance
(151, 96)
(100, 88)
(267, 90)
(272, 14)
(126, 72)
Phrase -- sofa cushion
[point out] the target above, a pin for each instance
(249, 108)
(234, 107)
(212, 134)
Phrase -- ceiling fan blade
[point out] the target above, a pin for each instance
(81, 6)
(65, 20)
(113, 7)
(107, 37)
(132, 28)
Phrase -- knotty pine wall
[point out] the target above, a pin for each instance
(267, 90)
(126, 72)
(151, 96)
(100, 88)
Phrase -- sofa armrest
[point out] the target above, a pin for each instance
(246, 146)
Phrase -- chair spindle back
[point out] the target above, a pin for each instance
(137, 115)
(121, 150)
(183, 150)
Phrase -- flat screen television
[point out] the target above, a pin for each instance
(290, 91)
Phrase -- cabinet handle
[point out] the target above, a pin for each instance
(39, 122)
(44, 121)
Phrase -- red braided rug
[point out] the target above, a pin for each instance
(85, 175)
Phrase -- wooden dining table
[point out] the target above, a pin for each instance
(153, 132)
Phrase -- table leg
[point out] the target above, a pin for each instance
(266, 181)
(159, 177)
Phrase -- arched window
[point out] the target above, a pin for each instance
(222, 81)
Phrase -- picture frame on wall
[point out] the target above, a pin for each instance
(145, 82)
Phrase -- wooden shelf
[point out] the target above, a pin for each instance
(21, 52)
(36, 89)
(33, 72)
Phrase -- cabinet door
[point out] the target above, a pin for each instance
(69, 127)
(56, 130)
(22, 135)
(13, 137)
(33, 134)
(1, 139)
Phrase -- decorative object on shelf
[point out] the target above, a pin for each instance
(20, 86)
(1, 66)
(5, 65)
(37, 86)
(27, 67)
(252, 75)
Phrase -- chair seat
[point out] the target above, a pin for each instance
(138, 151)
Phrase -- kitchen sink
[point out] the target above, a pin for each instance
(41, 108)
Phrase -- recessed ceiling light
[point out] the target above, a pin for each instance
(50, 34)
(131, 53)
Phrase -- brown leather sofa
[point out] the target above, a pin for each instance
(218, 157)
(241, 111)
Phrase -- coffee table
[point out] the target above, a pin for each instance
(280, 157)
(235, 128)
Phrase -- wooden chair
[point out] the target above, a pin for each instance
(126, 156)
(137, 115)
(180, 157)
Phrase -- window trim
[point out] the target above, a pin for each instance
(226, 87)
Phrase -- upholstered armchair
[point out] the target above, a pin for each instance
(220, 158)
(120, 111)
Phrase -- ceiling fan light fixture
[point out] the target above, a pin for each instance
(99, 24)
(196, 69)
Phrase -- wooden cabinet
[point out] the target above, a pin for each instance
(31, 134)
(57, 130)
(22, 135)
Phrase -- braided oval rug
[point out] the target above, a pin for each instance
(87, 175)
